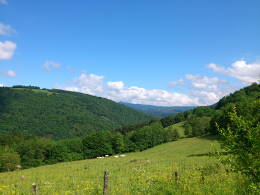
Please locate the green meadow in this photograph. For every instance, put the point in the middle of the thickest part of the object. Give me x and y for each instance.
(152, 171)
(179, 128)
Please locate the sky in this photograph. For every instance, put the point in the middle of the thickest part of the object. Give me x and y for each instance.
(167, 53)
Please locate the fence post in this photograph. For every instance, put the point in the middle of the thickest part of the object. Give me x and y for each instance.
(34, 189)
(105, 187)
(177, 176)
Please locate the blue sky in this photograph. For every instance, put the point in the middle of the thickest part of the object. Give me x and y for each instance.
(176, 52)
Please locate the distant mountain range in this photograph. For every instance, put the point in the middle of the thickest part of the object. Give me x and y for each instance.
(158, 111)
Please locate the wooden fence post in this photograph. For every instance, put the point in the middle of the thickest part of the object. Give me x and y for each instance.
(105, 187)
(34, 189)
(177, 176)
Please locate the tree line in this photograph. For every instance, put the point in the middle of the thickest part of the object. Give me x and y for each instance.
(33, 151)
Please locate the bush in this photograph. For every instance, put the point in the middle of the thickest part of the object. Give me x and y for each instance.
(9, 161)
(241, 140)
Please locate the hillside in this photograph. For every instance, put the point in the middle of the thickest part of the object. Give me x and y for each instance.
(202, 120)
(60, 114)
(148, 172)
(159, 111)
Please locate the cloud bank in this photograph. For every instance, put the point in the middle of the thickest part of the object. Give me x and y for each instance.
(116, 90)
(203, 90)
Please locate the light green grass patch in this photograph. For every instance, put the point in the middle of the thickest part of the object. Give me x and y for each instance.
(179, 127)
(36, 90)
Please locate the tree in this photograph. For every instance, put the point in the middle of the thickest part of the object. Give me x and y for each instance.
(97, 144)
(187, 129)
(118, 142)
(241, 140)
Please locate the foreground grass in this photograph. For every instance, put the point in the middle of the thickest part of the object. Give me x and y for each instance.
(148, 172)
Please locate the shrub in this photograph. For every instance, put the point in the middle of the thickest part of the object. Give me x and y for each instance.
(9, 161)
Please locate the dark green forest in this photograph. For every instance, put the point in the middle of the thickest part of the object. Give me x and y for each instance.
(59, 114)
(31, 150)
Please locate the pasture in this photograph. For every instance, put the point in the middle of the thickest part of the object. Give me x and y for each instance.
(148, 172)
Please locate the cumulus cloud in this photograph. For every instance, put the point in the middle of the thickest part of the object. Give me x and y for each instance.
(7, 49)
(241, 70)
(3, 1)
(117, 91)
(6, 29)
(50, 65)
(203, 90)
(204, 82)
(116, 85)
(1, 85)
(207, 90)
(9, 73)
(208, 97)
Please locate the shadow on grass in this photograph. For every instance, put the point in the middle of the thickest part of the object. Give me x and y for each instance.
(207, 154)
(203, 154)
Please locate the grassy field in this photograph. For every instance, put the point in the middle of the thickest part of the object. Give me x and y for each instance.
(179, 127)
(148, 172)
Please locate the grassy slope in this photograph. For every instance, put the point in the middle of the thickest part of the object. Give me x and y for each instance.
(179, 127)
(147, 172)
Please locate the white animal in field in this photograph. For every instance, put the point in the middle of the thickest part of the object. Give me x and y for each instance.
(122, 155)
(116, 156)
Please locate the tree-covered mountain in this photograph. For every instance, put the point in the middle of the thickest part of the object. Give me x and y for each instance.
(60, 114)
(159, 111)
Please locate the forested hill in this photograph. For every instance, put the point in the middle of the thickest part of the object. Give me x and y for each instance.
(202, 120)
(158, 111)
(60, 114)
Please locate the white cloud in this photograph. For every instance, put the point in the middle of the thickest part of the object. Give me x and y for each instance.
(6, 29)
(206, 90)
(3, 1)
(204, 82)
(208, 97)
(7, 50)
(241, 70)
(49, 65)
(116, 85)
(10, 73)
(1, 85)
(117, 91)
(90, 83)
